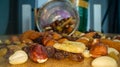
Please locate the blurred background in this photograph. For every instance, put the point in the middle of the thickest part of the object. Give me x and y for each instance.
(17, 16)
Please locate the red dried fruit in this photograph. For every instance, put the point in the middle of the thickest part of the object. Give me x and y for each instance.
(37, 53)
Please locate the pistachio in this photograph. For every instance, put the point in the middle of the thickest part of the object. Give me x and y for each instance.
(18, 57)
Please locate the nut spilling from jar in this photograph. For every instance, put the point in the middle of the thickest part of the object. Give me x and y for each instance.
(63, 26)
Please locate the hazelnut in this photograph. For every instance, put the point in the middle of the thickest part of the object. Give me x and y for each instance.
(37, 53)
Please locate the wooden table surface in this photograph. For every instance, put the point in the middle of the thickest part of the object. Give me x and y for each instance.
(49, 63)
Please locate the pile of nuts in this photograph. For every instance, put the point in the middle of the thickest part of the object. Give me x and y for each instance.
(63, 26)
(39, 46)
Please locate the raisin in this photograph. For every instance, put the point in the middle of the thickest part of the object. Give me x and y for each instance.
(97, 36)
(50, 51)
(76, 57)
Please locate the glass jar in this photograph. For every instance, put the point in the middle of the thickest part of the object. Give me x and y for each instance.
(82, 8)
(57, 10)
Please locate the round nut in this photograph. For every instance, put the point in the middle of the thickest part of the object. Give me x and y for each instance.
(113, 50)
(18, 57)
(104, 61)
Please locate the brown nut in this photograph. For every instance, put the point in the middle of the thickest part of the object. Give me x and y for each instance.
(37, 53)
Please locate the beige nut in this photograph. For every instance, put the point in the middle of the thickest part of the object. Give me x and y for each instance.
(104, 61)
(18, 57)
(86, 54)
(113, 50)
(70, 46)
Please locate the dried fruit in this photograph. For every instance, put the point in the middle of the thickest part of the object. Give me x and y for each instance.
(111, 43)
(76, 57)
(90, 34)
(63, 26)
(56, 35)
(98, 50)
(30, 34)
(59, 55)
(84, 40)
(50, 43)
(18, 57)
(62, 40)
(50, 51)
(37, 53)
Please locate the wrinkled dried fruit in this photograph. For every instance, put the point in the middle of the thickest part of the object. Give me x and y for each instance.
(18, 57)
(59, 55)
(99, 50)
(76, 57)
(50, 51)
(37, 53)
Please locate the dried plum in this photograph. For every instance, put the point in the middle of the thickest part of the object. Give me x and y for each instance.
(59, 55)
(50, 51)
(76, 57)
(38, 40)
(26, 49)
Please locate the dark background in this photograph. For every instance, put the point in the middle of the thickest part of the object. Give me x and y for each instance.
(114, 16)
(11, 15)
(110, 15)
